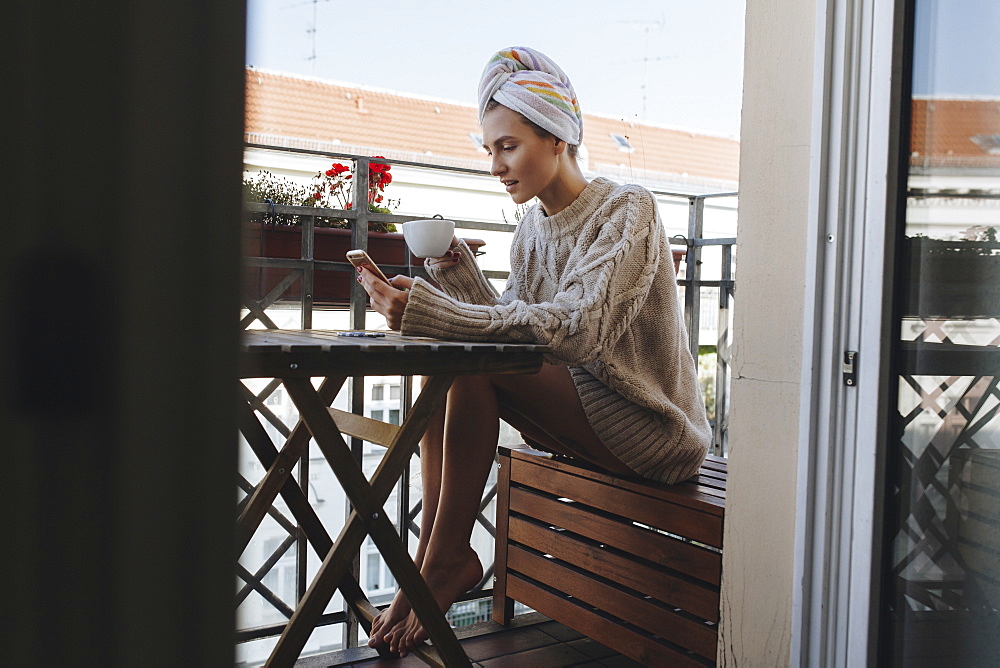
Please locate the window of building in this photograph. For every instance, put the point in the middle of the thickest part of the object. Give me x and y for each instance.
(622, 142)
(377, 576)
(373, 579)
(989, 143)
(378, 392)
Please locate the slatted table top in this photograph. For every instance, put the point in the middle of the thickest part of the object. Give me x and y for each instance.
(271, 353)
(705, 491)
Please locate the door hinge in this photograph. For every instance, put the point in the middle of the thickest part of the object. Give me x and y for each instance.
(850, 367)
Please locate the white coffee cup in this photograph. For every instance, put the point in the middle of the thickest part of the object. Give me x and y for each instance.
(430, 237)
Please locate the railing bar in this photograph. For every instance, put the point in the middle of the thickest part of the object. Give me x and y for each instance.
(258, 632)
(689, 196)
(258, 405)
(685, 282)
(301, 542)
(722, 241)
(255, 312)
(275, 514)
(259, 574)
(266, 593)
(692, 291)
(350, 156)
(403, 485)
(351, 215)
(358, 314)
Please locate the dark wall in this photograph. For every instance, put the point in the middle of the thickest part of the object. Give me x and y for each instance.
(121, 135)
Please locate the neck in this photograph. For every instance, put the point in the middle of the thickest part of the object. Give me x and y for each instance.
(564, 189)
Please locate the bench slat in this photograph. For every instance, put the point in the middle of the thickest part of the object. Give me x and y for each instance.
(690, 559)
(697, 525)
(685, 493)
(665, 623)
(634, 644)
(689, 596)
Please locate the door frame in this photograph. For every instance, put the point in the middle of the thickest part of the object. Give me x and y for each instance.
(860, 78)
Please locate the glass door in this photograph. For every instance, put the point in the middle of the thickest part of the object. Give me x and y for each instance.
(941, 567)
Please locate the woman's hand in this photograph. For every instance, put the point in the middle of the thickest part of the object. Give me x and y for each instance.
(449, 259)
(389, 300)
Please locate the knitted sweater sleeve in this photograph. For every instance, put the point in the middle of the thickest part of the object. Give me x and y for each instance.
(464, 281)
(603, 285)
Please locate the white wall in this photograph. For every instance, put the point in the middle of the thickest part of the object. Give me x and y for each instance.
(757, 585)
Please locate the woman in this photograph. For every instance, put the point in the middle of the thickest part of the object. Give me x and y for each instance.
(592, 277)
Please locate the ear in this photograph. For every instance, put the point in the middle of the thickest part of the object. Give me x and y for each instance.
(560, 146)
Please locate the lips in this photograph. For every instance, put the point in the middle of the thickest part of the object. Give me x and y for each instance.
(509, 184)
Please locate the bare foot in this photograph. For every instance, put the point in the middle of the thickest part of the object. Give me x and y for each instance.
(388, 618)
(447, 581)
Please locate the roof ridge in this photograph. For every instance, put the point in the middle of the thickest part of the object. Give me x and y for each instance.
(467, 105)
(955, 97)
(363, 87)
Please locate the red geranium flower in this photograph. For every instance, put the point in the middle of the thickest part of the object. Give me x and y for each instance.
(318, 195)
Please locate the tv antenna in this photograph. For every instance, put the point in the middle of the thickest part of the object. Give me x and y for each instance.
(312, 29)
(647, 27)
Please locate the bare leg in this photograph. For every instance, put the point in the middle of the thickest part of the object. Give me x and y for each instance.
(548, 404)
(431, 456)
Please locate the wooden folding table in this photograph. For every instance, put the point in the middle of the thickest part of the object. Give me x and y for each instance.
(296, 356)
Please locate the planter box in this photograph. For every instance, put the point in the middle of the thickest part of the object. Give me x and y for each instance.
(950, 279)
(331, 288)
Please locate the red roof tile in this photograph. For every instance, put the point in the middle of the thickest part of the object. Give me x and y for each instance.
(301, 108)
(955, 132)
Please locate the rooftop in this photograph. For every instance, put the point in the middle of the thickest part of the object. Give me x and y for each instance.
(955, 132)
(357, 118)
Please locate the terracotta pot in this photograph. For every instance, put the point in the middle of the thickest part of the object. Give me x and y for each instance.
(330, 287)
(679, 256)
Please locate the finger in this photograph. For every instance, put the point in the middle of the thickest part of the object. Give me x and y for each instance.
(401, 282)
(449, 259)
(378, 286)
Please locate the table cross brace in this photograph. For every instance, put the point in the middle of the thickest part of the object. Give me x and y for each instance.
(367, 517)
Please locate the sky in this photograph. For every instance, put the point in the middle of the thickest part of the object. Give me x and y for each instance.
(956, 49)
(675, 63)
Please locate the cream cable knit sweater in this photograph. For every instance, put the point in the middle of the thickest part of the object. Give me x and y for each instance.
(596, 283)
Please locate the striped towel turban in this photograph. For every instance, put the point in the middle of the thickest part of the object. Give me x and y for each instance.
(530, 83)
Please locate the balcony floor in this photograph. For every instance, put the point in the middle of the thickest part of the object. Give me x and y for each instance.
(531, 640)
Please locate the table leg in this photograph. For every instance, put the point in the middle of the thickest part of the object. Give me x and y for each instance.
(298, 504)
(367, 500)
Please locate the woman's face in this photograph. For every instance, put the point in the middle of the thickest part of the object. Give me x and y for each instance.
(526, 163)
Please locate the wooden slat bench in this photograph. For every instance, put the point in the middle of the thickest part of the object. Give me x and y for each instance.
(632, 564)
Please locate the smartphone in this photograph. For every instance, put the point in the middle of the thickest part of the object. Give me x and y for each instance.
(359, 258)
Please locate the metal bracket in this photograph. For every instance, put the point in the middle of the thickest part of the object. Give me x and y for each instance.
(850, 367)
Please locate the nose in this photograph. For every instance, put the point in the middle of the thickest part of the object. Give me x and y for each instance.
(496, 164)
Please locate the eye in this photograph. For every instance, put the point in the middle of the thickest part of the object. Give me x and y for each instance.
(509, 148)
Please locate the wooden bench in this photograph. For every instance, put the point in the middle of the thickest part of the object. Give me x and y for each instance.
(632, 564)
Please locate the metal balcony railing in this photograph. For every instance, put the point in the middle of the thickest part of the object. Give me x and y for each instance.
(304, 270)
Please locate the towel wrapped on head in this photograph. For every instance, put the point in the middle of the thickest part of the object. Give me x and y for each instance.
(530, 83)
